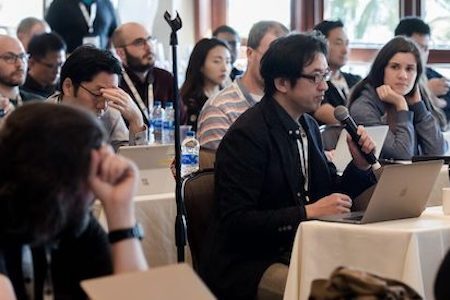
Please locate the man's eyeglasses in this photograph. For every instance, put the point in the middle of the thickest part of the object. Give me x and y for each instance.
(49, 65)
(140, 42)
(11, 58)
(96, 95)
(318, 78)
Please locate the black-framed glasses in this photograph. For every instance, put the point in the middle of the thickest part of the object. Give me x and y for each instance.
(50, 65)
(318, 78)
(96, 95)
(139, 42)
(11, 58)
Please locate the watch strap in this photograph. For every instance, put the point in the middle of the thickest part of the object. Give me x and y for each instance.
(136, 232)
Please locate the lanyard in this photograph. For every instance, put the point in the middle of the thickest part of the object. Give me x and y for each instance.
(89, 18)
(302, 145)
(145, 109)
(28, 274)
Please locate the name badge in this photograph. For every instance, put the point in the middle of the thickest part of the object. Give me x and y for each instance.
(92, 40)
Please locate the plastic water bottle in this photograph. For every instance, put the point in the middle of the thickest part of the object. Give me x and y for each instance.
(157, 121)
(189, 154)
(168, 131)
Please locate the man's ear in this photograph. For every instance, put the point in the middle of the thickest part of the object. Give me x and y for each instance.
(120, 53)
(68, 88)
(31, 62)
(282, 84)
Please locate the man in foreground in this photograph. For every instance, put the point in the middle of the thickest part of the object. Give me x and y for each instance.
(272, 174)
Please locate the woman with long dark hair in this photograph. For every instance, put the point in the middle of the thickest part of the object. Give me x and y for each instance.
(390, 95)
(208, 69)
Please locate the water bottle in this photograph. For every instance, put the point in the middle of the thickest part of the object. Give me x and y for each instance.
(189, 154)
(157, 121)
(168, 131)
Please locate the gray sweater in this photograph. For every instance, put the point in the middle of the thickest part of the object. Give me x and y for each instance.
(416, 131)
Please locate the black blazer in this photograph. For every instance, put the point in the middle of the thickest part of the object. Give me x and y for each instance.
(332, 95)
(259, 200)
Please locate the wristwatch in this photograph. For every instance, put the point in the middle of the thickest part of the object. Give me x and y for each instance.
(136, 232)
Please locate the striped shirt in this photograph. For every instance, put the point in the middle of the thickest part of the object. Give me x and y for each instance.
(220, 111)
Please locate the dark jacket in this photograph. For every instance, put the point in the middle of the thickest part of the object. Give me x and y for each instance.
(65, 18)
(332, 95)
(260, 201)
(162, 81)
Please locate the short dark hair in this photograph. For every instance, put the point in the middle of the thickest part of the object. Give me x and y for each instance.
(224, 29)
(259, 30)
(375, 78)
(86, 62)
(410, 25)
(44, 43)
(326, 26)
(45, 150)
(288, 56)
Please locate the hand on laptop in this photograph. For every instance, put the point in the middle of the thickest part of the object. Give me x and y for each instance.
(333, 204)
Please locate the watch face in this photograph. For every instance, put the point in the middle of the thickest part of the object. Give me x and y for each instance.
(138, 231)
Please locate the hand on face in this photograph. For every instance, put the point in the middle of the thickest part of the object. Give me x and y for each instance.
(113, 180)
(120, 100)
(333, 204)
(438, 86)
(388, 95)
(367, 146)
(6, 105)
(414, 97)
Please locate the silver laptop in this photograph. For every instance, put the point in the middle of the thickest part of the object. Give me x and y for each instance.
(342, 156)
(401, 192)
(163, 283)
(153, 162)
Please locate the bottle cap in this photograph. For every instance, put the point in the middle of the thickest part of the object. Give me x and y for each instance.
(169, 104)
(190, 133)
(157, 103)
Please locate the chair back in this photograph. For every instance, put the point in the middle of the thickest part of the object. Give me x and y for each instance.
(198, 196)
(207, 158)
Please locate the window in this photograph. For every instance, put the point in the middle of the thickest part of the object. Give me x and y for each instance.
(437, 15)
(11, 12)
(243, 14)
(367, 22)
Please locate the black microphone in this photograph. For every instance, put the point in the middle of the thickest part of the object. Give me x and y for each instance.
(342, 115)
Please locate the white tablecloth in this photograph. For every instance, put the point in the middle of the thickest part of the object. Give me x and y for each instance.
(157, 215)
(409, 250)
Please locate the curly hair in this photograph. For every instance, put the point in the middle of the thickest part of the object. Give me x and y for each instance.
(45, 151)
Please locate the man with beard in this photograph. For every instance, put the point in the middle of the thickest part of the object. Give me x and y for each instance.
(13, 66)
(47, 55)
(141, 79)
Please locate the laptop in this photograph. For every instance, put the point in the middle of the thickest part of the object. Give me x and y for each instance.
(153, 162)
(342, 156)
(163, 283)
(401, 192)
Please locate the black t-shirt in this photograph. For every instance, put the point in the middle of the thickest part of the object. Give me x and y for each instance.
(74, 259)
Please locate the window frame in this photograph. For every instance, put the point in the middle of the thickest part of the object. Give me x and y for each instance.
(304, 15)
